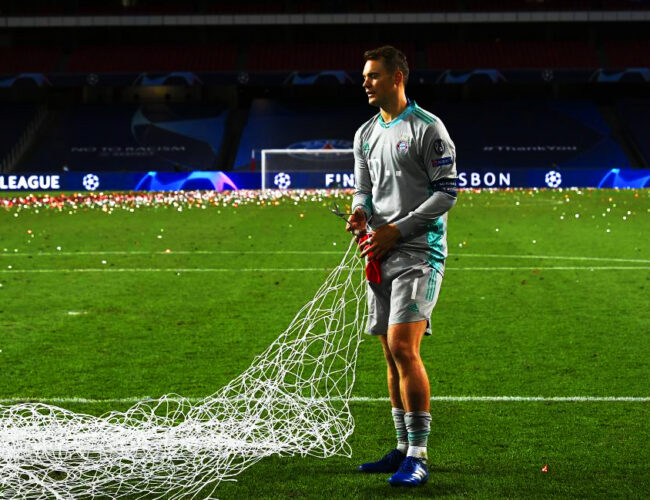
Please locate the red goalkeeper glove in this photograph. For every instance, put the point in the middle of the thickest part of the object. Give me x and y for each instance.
(373, 267)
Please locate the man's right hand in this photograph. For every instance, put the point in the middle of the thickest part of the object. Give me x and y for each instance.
(356, 222)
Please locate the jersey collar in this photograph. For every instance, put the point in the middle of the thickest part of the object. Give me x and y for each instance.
(410, 106)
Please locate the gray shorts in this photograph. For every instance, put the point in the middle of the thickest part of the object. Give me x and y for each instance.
(407, 293)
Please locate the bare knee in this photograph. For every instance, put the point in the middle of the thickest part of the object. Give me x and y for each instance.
(403, 342)
(403, 353)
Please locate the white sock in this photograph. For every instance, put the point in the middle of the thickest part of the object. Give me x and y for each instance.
(417, 452)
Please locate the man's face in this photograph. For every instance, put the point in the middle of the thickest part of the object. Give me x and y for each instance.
(380, 85)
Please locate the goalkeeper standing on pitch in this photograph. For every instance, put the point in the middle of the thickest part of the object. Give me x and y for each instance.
(405, 171)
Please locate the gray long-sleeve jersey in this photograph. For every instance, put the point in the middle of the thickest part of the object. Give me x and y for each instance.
(396, 166)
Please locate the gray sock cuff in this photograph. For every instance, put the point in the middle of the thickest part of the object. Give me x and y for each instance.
(417, 421)
(416, 414)
(400, 425)
(418, 425)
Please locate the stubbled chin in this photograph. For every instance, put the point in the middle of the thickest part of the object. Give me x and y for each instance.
(373, 101)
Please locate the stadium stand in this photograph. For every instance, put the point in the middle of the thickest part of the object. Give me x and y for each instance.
(547, 133)
(275, 124)
(257, 7)
(14, 118)
(553, 5)
(313, 56)
(165, 137)
(29, 59)
(171, 8)
(628, 53)
(636, 117)
(159, 137)
(529, 133)
(322, 56)
(153, 58)
(274, 79)
(510, 55)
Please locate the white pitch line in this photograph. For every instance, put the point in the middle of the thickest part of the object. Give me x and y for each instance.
(362, 399)
(312, 269)
(549, 257)
(549, 268)
(158, 270)
(173, 252)
(307, 252)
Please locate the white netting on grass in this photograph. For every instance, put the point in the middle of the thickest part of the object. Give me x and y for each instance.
(292, 400)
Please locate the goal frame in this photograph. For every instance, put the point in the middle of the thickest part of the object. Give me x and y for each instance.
(264, 152)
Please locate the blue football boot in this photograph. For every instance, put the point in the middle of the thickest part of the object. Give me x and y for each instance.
(412, 472)
(389, 463)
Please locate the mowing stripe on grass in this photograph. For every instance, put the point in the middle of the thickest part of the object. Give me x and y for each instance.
(307, 252)
(312, 269)
(361, 399)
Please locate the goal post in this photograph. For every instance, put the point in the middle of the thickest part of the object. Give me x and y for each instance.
(300, 161)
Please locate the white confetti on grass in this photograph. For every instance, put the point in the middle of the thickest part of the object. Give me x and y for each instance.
(292, 400)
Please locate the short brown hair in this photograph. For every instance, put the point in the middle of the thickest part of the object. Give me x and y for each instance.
(393, 58)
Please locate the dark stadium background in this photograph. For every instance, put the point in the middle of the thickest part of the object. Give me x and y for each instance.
(137, 85)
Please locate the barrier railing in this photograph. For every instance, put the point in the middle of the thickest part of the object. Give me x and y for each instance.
(18, 150)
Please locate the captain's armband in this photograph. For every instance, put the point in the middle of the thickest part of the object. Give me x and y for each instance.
(449, 186)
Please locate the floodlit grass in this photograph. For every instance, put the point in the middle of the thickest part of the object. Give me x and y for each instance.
(546, 294)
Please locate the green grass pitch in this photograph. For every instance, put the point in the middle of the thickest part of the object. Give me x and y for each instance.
(546, 293)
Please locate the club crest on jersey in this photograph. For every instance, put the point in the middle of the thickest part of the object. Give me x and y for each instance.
(403, 145)
(439, 146)
(366, 148)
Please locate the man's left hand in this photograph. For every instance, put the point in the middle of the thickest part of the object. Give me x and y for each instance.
(381, 241)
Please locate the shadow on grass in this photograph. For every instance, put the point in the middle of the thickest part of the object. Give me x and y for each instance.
(381, 489)
(333, 478)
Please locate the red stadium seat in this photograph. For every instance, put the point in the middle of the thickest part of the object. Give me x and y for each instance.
(628, 54)
(29, 59)
(153, 58)
(512, 55)
(313, 56)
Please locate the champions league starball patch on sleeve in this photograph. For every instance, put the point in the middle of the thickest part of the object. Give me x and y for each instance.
(439, 146)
